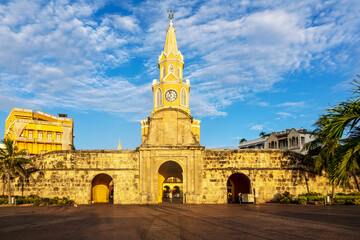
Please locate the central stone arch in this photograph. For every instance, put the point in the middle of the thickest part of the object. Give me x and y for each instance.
(170, 170)
(102, 189)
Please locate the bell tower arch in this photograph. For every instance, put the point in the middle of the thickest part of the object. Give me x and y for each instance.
(170, 150)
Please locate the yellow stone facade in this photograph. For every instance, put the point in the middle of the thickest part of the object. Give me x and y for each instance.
(170, 148)
(38, 132)
(171, 92)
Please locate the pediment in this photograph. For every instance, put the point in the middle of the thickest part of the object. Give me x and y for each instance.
(171, 55)
(171, 77)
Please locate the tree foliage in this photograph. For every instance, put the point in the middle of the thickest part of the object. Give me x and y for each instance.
(336, 149)
(12, 163)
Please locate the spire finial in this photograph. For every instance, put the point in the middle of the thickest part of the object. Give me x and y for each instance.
(171, 13)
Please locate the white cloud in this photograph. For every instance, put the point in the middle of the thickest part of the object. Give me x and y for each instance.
(259, 103)
(58, 59)
(232, 146)
(238, 138)
(342, 86)
(292, 104)
(284, 114)
(257, 127)
(66, 53)
(129, 23)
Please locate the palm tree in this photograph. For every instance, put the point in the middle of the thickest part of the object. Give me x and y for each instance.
(344, 127)
(320, 152)
(262, 134)
(336, 148)
(12, 163)
(243, 140)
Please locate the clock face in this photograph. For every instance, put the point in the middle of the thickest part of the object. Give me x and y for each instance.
(171, 95)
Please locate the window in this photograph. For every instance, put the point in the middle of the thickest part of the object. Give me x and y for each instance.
(58, 136)
(179, 71)
(40, 135)
(171, 68)
(158, 98)
(183, 97)
(30, 134)
(163, 72)
(49, 136)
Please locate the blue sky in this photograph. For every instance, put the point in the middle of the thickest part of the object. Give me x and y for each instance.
(253, 65)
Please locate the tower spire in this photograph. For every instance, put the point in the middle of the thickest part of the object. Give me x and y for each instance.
(171, 14)
(170, 42)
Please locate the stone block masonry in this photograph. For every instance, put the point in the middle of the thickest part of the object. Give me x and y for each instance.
(271, 172)
(205, 174)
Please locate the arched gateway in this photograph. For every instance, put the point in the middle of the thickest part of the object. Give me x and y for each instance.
(237, 183)
(170, 181)
(102, 189)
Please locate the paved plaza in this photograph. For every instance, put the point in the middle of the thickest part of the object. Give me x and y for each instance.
(175, 221)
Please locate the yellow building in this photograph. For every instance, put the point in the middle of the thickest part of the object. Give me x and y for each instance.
(39, 132)
(171, 92)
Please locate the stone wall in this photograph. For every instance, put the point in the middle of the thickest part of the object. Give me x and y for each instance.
(271, 172)
(70, 174)
(170, 127)
(135, 174)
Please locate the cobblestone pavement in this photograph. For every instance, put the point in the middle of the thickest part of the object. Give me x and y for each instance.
(174, 221)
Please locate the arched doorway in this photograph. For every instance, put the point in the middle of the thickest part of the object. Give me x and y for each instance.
(175, 186)
(170, 180)
(237, 183)
(102, 189)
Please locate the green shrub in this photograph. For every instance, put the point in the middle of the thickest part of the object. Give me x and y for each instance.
(285, 197)
(354, 194)
(347, 197)
(54, 200)
(357, 201)
(316, 198)
(37, 201)
(33, 196)
(285, 200)
(349, 202)
(340, 194)
(286, 194)
(312, 194)
(302, 200)
(22, 200)
(65, 201)
(337, 201)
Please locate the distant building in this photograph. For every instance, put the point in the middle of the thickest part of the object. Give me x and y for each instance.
(290, 139)
(39, 132)
(258, 143)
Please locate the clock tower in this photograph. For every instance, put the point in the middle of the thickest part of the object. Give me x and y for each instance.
(171, 91)
(170, 122)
